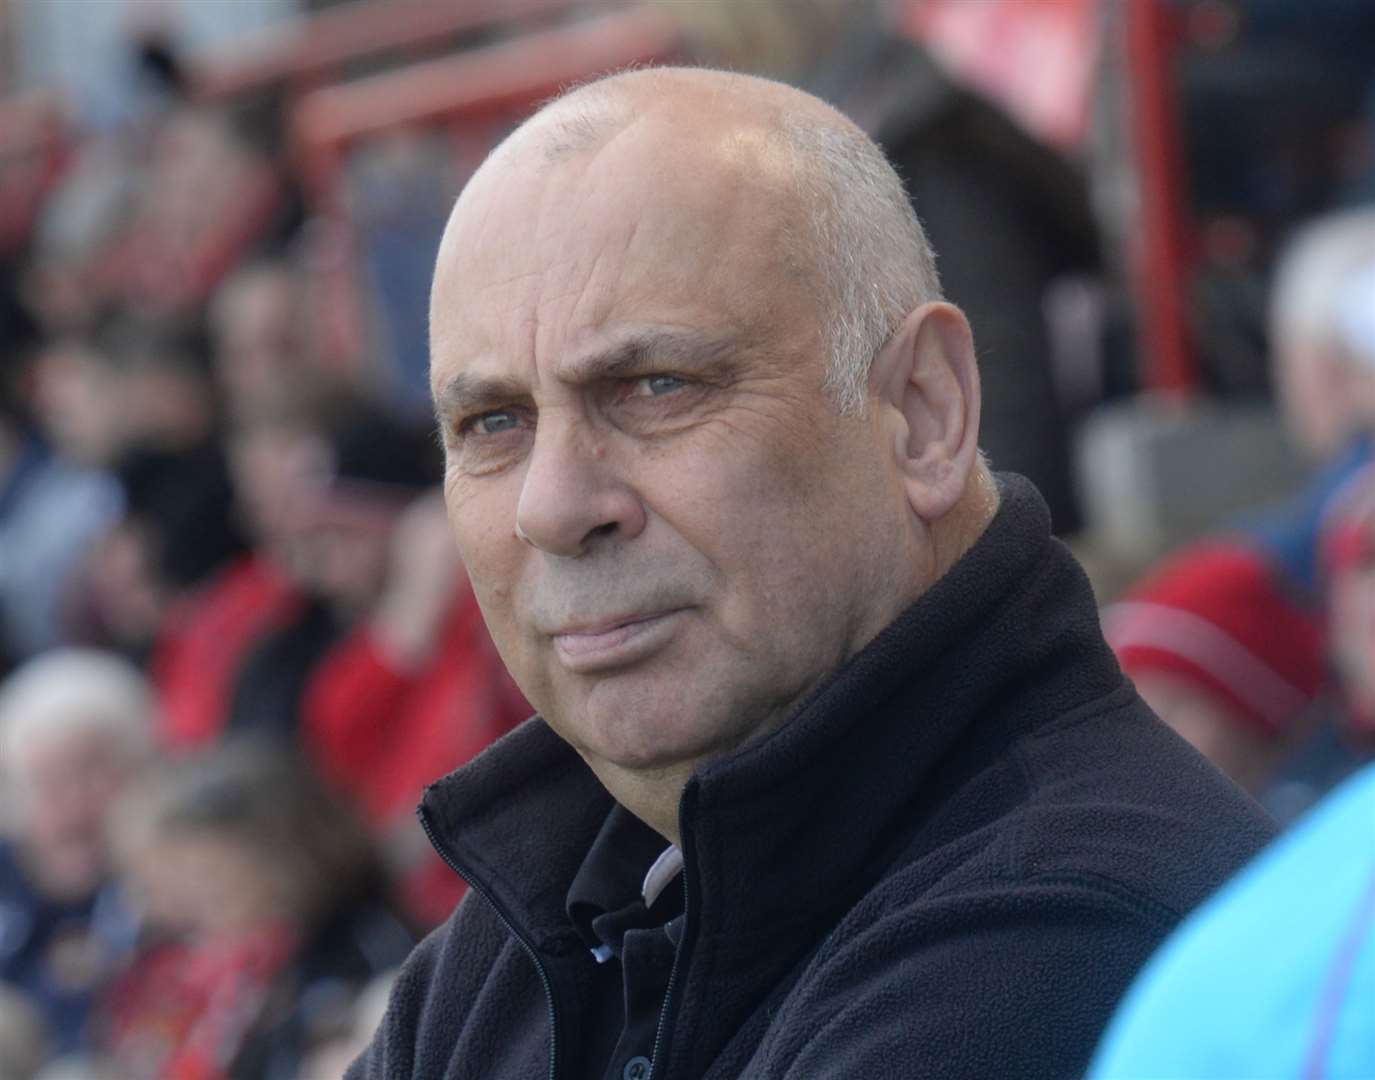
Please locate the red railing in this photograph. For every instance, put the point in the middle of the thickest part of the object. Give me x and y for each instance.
(1161, 258)
(471, 97)
(471, 88)
(312, 51)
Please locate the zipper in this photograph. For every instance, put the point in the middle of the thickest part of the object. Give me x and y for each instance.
(668, 992)
(481, 890)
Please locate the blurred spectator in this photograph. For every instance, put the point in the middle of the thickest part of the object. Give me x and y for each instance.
(1218, 651)
(208, 199)
(50, 511)
(350, 627)
(417, 688)
(207, 633)
(267, 911)
(75, 725)
(1324, 359)
(166, 386)
(260, 346)
(412, 692)
(139, 400)
(1273, 977)
(78, 402)
(339, 527)
(1324, 334)
(150, 223)
(1250, 599)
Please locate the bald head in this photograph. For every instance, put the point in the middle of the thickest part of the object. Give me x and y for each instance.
(847, 231)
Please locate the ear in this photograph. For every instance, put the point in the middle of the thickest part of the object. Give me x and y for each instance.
(926, 380)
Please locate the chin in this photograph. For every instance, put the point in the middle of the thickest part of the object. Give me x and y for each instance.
(654, 745)
(647, 736)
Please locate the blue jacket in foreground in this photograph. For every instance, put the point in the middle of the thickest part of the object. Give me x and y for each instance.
(949, 862)
(1275, 978)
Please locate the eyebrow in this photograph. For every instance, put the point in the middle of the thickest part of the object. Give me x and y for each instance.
(639, 352)
(463, 394)
(654, 349)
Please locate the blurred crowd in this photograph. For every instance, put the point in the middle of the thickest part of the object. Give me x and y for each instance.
(236, 641)
(1257, 642)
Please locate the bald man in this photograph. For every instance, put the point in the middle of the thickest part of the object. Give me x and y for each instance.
(833, 774)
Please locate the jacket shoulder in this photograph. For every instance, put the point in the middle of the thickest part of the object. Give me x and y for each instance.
(1011, 981)
(1001, 941)
(1119, 799)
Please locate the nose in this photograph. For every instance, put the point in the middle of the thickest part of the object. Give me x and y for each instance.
(573, 494)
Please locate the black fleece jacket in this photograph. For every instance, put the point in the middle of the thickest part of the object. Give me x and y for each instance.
(949, 861)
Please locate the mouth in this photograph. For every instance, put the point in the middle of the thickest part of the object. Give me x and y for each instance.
(615, 642)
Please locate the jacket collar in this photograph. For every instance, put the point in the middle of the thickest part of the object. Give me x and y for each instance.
(784, 835)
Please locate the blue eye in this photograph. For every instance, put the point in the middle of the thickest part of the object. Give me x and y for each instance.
(658, 385)
(492, 423)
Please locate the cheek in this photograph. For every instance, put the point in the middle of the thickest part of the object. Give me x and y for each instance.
(482, 518)
(482, 522)
(775, 506)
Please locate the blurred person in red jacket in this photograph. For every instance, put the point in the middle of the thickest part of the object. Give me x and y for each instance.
(412, 692)
(206, 636)
(265, 911)
(337, 525)
(350, 630)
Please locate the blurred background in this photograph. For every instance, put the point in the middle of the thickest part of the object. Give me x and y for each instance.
(234, 639)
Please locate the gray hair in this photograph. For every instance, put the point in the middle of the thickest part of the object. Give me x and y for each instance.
(868, 252)
(1312, 289)
(69, 691)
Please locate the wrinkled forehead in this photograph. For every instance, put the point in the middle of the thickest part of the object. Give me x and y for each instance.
(658, 220)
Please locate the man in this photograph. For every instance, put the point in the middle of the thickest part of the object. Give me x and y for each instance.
(835, 774)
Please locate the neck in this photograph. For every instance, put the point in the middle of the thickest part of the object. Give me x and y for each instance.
(651, 795)
(958, 531)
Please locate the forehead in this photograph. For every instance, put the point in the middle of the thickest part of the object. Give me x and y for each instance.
(656, 225)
